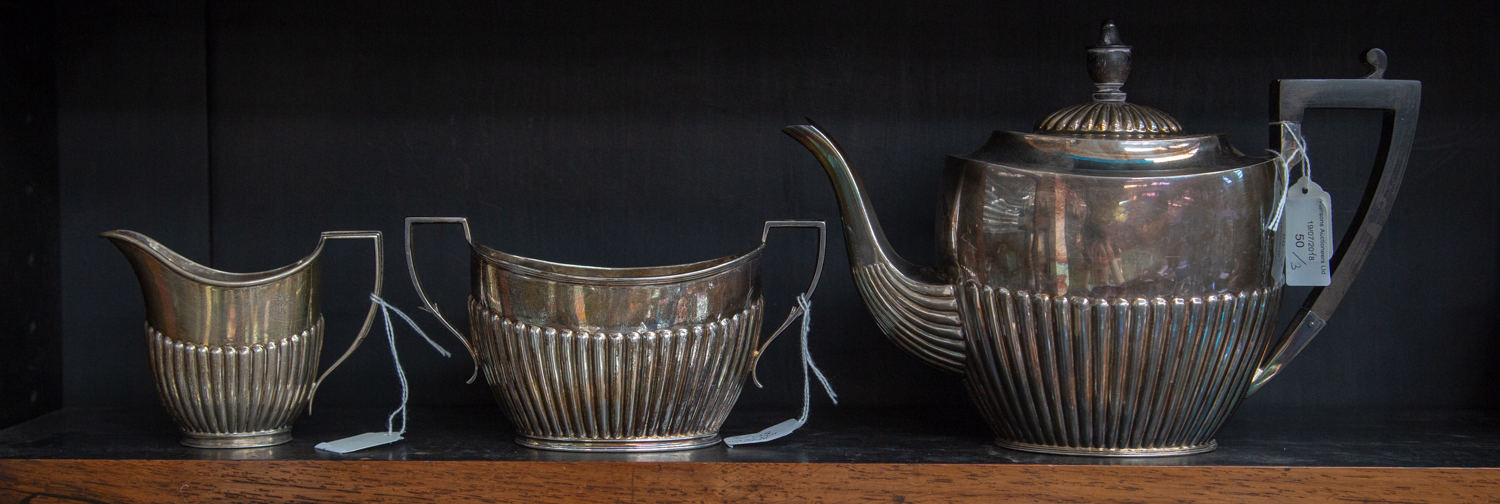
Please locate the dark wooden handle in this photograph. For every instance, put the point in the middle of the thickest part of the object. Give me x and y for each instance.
(1400, 99)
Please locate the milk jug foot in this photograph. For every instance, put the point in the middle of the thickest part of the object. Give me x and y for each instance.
(238, 440)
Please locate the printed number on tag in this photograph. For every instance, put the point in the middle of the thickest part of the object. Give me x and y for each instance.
(1307, 234)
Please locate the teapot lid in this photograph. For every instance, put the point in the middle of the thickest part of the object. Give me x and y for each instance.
(1110, 135)
(1109, 113)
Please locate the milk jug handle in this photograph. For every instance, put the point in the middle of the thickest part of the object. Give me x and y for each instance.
(369, 317)
(817, 274)
(1400, 99)
(417, 283)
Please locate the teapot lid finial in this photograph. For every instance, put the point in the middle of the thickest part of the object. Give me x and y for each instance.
(1109, 113)
(1109, 64)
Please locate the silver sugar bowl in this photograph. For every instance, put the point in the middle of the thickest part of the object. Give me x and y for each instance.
(614, 359)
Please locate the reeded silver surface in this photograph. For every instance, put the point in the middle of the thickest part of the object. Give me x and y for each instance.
(612, 359)
(922, 318)
(667, 389)
(1107, 285)
(235, 355)
(1113, 377)
(1109, 118)
(235, 396)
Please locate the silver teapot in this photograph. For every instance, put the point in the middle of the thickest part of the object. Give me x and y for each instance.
(1109, 285)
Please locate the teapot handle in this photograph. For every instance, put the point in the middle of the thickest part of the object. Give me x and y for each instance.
(374, 307)
(817, 274)
(417, 283)
(1400, 99)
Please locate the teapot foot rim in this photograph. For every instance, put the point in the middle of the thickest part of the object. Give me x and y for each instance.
(1170, 451)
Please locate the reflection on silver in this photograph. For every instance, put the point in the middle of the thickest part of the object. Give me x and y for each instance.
(613, 359)
(1000, 213)
(235, 355)
(280, 452)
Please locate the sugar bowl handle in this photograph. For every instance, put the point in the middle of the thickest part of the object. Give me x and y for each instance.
(1400, 99)
(813, 286)
(417, 283)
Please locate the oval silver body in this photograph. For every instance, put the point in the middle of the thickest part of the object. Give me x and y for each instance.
(615, 359)
(189, 302)
(591, 299)
(1063, 224)
(1111, 310)
(234, 355)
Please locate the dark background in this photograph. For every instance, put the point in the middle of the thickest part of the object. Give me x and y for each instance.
(644, 134)
(30, 303)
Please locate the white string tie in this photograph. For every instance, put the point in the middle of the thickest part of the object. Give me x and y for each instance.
(391, 435)
(390, 333)
(1285, 161)
(809, 369)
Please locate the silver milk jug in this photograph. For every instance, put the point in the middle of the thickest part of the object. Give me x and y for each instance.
(1108, 285)
(235, 354)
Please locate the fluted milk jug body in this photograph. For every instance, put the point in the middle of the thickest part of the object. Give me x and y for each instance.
(234, 355)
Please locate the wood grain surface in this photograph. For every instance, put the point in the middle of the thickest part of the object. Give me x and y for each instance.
(159, 481)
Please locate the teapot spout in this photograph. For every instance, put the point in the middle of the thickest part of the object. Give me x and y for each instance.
(914, 306)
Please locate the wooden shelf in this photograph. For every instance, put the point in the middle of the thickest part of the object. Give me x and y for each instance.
(466, 455)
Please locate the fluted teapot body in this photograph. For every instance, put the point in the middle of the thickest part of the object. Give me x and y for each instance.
(1107, 284)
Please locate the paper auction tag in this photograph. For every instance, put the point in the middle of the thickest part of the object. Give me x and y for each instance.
(771, 433)
(1307, 234)
(360, 442)
(391, 434)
